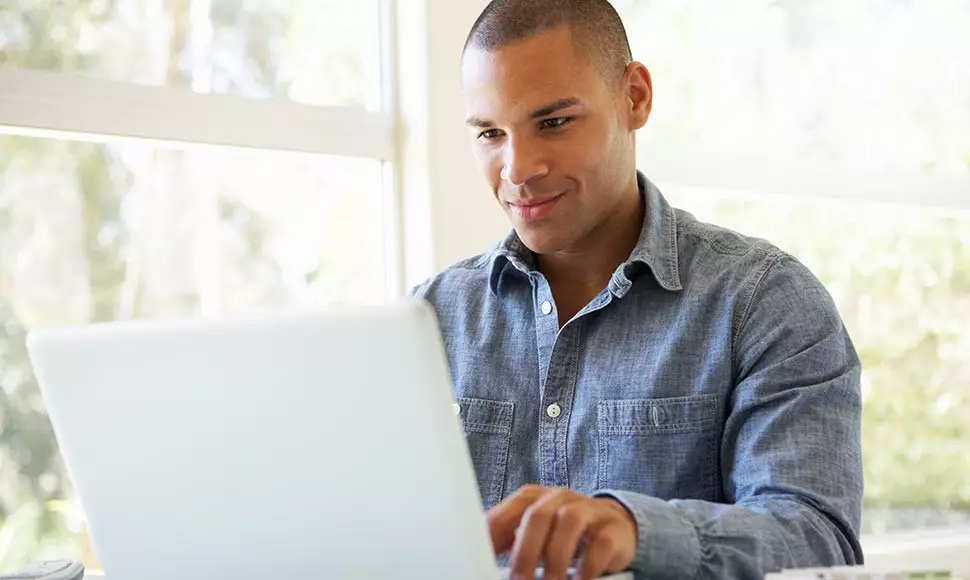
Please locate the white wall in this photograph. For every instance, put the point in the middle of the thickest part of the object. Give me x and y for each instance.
(449, 213)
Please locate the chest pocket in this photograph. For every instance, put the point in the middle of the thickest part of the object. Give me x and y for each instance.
(666, 448)
(488, 429)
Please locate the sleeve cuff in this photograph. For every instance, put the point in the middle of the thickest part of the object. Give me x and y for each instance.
(667, 544)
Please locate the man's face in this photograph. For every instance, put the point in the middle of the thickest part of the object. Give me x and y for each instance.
(554, 139)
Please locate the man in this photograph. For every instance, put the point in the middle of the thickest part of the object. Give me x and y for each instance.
(644, 391)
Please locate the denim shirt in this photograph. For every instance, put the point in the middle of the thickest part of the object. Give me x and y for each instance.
(711, 388)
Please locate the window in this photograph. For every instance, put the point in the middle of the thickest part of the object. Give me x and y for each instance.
(841, 108)
(254, 48)
(870, 84)
(163, 159)
(129, 229)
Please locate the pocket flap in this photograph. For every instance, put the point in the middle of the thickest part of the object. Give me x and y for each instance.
(642, 416)
(483, 416)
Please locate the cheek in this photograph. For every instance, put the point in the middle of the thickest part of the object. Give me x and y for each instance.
(596, 162)
(584, 158)
(490, 164)
(607, 154)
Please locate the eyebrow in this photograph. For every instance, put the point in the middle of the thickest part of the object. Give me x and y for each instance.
(543, 111)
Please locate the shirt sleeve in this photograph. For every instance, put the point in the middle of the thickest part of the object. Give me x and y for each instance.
(791, 458)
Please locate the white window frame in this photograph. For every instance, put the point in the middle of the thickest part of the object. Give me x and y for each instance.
(69, 106)
(806, 180)
(41, 102)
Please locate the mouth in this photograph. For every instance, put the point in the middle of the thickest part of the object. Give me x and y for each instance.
(534, 209)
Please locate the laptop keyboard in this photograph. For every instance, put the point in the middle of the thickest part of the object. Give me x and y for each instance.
(505, 573)
(571, 575)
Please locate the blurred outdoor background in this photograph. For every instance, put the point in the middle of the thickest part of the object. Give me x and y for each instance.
(123, 228)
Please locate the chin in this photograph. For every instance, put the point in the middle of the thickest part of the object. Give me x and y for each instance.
(537, 241)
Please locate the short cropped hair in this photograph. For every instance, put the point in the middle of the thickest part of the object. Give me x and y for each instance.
(596, 29)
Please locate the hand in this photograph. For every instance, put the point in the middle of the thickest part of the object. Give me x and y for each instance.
(545, 524)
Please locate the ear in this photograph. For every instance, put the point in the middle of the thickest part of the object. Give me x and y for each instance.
(638, 89)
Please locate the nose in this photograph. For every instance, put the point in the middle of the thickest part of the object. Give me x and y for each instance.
(523, 161)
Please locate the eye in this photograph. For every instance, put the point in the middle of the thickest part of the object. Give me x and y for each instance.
(555, 122)
(489, 134)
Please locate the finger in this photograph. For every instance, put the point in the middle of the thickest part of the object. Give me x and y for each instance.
(504, 519)
(534, 530)
(603, 554)
(572, 522)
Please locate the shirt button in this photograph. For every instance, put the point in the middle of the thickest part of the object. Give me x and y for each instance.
(554, 410)
(457, 408)
(546, 307)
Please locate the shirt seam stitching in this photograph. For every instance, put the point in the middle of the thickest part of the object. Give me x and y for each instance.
(691, 231)
(748, 297)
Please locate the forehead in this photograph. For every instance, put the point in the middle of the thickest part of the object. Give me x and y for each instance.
(510, 82)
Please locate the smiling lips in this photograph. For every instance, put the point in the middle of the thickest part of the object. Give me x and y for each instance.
(533, 210)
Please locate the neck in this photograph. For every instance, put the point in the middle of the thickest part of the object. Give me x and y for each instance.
(578, 274)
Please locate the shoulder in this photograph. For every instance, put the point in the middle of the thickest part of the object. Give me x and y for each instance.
(707, 251)
(459, 279)
(762, 277)
(705, 241)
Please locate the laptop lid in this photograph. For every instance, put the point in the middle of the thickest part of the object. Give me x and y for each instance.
(302, 445)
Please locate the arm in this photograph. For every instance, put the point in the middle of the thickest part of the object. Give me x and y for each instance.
(790, 452)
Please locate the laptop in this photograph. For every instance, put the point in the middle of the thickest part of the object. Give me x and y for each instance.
(304, 445)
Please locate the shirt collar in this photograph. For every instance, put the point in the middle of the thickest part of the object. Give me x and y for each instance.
(655, 251)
